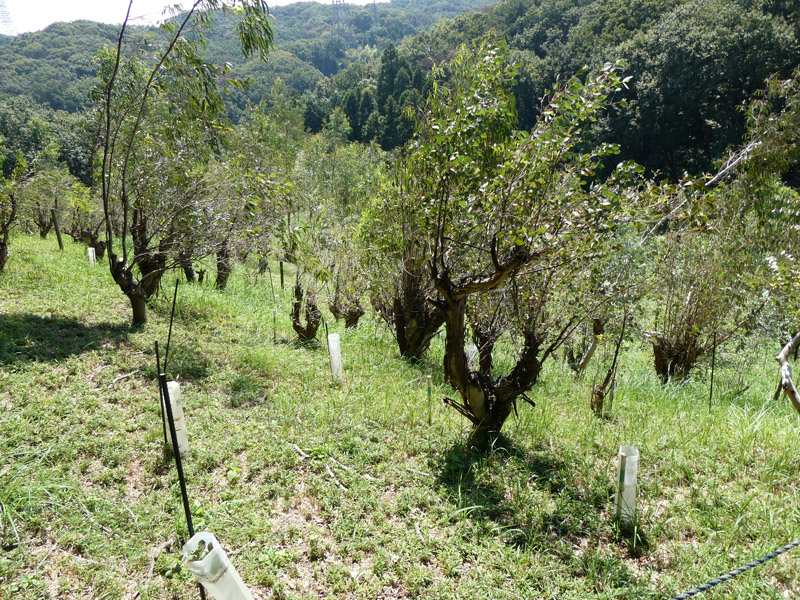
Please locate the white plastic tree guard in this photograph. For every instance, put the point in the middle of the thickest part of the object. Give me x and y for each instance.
(335, 349)
(625, 498)
(174, 389)
(92, 257)
(207, 561)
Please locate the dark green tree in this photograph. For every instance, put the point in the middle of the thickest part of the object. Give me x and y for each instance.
(350, 106)
(366, 107)
(390, 123)
(390, 65)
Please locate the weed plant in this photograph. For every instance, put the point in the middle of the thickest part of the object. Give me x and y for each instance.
(319, 490)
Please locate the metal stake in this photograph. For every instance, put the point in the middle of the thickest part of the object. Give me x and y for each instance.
(161, 398)
(162, 380)
(58, 229)
(171, 319)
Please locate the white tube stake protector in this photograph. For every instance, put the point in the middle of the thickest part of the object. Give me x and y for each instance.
(213, 569)
(92, 257)
(335, 350)
(625, 497)
(174, 389)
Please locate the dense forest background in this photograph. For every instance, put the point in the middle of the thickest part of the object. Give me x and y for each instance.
(693, 64)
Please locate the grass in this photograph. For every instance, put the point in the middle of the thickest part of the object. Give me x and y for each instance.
(344, 491)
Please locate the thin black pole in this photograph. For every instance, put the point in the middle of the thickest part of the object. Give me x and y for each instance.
(614, 364)
(161, 397)
(713, 364)
(162, 380)
(171, 319)
(271, 284)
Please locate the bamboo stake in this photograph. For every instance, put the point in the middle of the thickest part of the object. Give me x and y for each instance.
(713, 363)
(430, 402)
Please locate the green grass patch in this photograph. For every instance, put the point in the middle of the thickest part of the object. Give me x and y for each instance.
(344, 491)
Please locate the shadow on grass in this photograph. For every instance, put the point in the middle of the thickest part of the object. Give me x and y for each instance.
(481, 483)
(31, 338)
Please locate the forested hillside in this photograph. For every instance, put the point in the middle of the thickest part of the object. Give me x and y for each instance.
(55, 66)
(692, 63)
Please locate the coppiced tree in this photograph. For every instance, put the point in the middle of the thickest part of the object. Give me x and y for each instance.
(524, 211)
(395, 263)
(707, 287)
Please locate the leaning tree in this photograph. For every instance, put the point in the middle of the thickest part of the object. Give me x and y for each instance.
(9, 201)
(524, 211)
(162, 109)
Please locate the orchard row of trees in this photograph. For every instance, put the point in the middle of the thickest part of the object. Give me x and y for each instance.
(500, 236)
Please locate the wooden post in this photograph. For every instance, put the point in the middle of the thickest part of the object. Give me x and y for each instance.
(58, 229)
(281, 262)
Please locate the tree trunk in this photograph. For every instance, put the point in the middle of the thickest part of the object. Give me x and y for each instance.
(223, 267)
(347, 308)
(486, 402)
(415, 323)
(674, 360)
(597, 332)
(139, 306)
(91, 240)
(787, 384)
(414, 319)
(263, 264)
(43, 221)
(123, 276)
(484, 341)
(152, 273)
(99, 249)
(475, 389)
(351, 314)
(306, 332)
(4, 254)
(185, 262)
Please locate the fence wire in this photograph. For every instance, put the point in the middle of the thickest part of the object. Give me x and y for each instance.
(737, 572)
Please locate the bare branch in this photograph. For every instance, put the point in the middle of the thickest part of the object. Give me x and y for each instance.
(786, 371)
